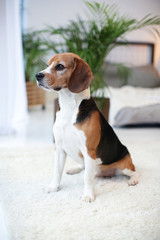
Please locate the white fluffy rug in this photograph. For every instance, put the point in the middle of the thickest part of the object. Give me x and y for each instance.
(119, 212)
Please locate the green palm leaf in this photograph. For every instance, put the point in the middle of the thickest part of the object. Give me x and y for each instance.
(95, 38)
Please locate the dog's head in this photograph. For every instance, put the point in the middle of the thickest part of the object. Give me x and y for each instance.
(65, 70)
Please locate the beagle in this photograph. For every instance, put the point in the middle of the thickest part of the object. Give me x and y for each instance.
(80, 130)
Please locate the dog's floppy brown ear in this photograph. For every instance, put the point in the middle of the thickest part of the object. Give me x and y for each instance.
(81, 76)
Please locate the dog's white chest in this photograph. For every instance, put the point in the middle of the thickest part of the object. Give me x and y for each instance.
(68, 136)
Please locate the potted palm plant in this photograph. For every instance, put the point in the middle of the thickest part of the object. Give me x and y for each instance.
(34, 51)
(93, 39)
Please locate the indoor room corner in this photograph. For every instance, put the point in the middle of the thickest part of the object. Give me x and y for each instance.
(120, 41)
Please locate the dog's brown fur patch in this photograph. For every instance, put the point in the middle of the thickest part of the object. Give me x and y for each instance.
(110, 170)
(92, 129)
(80, 155)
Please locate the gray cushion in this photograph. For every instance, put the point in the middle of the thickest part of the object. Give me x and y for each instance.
(143, 76)
(138, 115)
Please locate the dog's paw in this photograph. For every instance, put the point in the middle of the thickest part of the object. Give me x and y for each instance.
(88, 198)
(73, 171)
(134, 180)
(52, 188)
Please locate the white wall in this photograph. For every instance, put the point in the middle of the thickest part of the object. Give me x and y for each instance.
(56, 13)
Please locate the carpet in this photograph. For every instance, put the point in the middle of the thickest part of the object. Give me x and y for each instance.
(119, 212)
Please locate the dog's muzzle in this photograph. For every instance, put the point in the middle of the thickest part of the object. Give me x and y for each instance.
(40, 81)
(39, 76)
(57, 88)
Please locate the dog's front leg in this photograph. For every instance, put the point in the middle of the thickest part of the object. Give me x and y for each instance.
(60, 158)
(88, 194)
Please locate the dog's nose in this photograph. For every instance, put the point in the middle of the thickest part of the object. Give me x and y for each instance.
(39, 76)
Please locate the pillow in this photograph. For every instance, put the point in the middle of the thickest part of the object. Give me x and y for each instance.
(143, 76)
(138, 116)
(130, 105)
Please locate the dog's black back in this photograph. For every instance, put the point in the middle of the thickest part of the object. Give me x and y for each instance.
(109, 149)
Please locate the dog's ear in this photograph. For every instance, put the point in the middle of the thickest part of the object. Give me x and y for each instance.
(81, 76)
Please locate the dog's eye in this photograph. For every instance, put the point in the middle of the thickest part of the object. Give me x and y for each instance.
(60, 67)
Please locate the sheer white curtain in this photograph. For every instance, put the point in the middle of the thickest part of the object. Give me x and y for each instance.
(13, 100)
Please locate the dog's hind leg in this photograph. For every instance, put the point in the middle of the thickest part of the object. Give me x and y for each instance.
(123, 166)
(134, 176)
(73, 171)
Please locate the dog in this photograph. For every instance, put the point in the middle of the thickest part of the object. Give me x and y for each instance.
(80, 130)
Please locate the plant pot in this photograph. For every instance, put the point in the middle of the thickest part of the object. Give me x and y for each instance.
(35, 95)
(103, 105)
